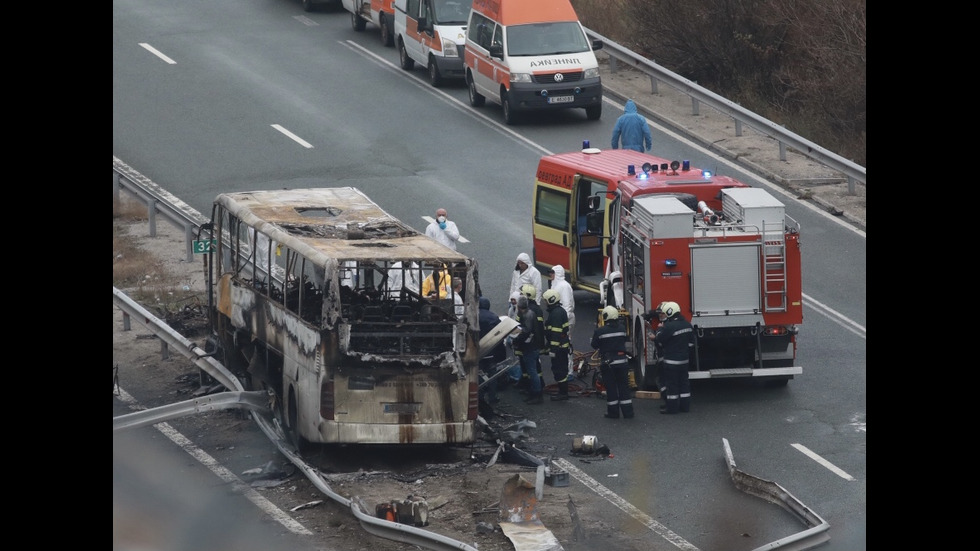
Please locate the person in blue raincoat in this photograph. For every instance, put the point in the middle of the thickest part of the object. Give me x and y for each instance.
(632, 129)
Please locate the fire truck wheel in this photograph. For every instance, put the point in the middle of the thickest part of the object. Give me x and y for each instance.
(776, 382)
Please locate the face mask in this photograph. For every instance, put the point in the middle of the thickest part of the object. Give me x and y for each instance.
(442, 219)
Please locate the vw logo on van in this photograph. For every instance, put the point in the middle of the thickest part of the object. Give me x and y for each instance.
(559, 77)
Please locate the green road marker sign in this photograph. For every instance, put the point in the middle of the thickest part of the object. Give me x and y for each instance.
(205, 246)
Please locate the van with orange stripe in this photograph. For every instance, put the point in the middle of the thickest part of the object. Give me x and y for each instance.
(531, 55)
(379, 12)
(432, 33)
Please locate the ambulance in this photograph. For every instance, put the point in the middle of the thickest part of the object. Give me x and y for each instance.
(432, 33)
(528, 56)
(378, 12)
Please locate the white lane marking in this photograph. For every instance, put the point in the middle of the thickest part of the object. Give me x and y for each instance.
(306, 21)
(626, 506)
(812, 455)
(157, 53)
(293, 137)
(836, 317)
(223, 473)
(462, 107)
(429, 220)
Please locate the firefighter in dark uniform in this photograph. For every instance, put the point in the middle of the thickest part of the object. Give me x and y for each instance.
(556, 337)
(497, 354)
(610, 341)
(675, 338)
(529, 343)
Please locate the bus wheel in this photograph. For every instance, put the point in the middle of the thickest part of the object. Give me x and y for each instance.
(292, 425)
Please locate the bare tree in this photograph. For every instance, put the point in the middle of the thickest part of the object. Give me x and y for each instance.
(801, 63)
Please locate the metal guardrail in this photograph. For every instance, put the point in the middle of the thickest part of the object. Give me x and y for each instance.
(617, 53)
(256, 402)
(816, 532)
(157, 200)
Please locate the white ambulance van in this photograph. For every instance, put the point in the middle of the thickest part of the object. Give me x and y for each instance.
(432, 33)
(531, 55)
(378, 12)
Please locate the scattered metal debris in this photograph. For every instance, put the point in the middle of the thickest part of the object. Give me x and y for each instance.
(307, 505)
(519, 517)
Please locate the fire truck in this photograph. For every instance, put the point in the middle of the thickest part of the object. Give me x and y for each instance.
(639, 230)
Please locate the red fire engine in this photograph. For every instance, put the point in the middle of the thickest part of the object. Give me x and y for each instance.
(639, 230)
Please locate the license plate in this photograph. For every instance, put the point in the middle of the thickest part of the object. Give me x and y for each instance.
(561, 99)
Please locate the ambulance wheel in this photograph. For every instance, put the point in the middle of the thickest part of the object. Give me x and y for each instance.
(510, 117)
(435, 77)
(476, 99)
(357, 22)
(593, 112)
(387, 38)
(407, 63)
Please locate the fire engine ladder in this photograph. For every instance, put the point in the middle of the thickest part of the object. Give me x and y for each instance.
(774, 264)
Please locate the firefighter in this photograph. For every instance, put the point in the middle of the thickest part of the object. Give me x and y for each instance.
(497, 354)
(532, 295)
(556, 335)
(610, 340)
(676, 338)
(527, 347)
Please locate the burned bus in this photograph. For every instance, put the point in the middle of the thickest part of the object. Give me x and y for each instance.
(316, 296)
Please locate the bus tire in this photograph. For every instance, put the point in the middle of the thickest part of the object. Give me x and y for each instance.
(292, 425)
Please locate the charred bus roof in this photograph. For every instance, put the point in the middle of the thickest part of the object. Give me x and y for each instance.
(333, 223)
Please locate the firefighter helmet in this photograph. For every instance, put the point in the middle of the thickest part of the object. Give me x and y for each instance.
(610, 313)
(668, 308)
(529, 291)
(551, 297)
